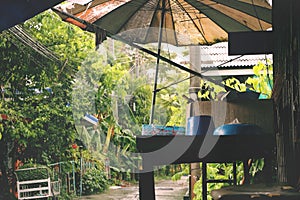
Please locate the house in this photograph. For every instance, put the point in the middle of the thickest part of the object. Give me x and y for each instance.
(215, 61)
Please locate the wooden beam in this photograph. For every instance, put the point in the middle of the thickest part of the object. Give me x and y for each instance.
(247, 43)
(13, 12)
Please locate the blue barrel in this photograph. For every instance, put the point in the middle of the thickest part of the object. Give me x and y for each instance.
(200, 125)
(238, 129)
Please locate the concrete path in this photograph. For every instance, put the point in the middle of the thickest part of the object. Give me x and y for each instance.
(165, 190)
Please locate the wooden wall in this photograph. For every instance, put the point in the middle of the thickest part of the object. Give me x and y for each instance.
(259, 112)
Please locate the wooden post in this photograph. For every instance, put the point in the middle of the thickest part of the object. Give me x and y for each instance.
(286, 93)
(204, 182)
(146, 181)
(195, 60)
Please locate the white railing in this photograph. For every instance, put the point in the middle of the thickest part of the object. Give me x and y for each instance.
(37, 188)
(55, 188)
(34, 189)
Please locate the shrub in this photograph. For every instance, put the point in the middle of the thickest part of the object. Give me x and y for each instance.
(94, 181)
(32, 172)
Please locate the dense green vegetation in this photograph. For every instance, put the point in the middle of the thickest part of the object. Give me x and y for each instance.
(52, 79)
(35, 92)
(38, 94)
(94, 181)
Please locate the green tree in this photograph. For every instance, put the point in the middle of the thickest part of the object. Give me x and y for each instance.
(69, 42)
(36, 90)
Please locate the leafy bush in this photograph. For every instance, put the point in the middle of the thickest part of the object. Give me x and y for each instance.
(261, 82)
(225, 171)
(217, 171)
(94, 181)
(32, 172)
(184, 172)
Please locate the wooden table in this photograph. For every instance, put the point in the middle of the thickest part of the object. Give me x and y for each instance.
(256, 192)
(164, 150)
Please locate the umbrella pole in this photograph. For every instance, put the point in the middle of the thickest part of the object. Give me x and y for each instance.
(157, 62)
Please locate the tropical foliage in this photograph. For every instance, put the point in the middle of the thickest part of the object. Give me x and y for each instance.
(261, 82)
(217, 171)
(52, 77)
(94, 181)
(35, 91)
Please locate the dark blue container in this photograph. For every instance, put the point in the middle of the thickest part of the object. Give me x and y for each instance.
(238, 129)
(200, 125)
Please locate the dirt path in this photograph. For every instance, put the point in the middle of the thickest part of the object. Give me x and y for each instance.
(165, 190)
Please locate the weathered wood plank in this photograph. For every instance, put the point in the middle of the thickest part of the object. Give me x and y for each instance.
(286, 91)
(258, 112)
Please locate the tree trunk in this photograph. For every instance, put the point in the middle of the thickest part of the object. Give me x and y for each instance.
(4, 157)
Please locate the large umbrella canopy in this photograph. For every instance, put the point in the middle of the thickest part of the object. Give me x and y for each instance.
(169, 21)
(204, 21)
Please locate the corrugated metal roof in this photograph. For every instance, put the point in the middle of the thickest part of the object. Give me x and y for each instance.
(217, 56)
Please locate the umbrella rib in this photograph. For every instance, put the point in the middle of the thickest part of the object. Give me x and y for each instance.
(227, 23)
(256, 14)
(195, 73)
(250, 9)
(120, 12)
(121, 27)
(171, 13)
(200, 31)
(153, 17)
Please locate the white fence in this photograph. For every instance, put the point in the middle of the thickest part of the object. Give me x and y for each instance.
(37, 188)
(34, 189)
